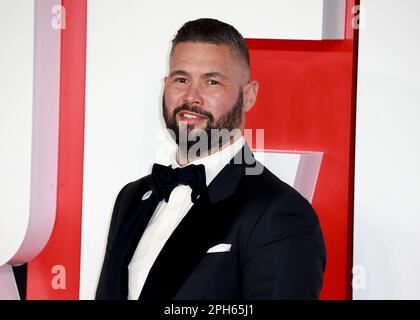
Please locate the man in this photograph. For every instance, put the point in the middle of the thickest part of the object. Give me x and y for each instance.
(215, 224)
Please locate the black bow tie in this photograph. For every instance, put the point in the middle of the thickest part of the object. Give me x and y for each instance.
(165, 179)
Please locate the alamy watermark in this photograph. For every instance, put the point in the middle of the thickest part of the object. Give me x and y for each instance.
(359, 19)
(58, 281)
(198, 143)
(58, 19)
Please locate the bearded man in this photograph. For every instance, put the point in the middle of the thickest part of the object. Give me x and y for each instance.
(215, 224)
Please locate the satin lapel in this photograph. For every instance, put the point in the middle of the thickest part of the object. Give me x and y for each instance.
(138, 214)
(204, 226)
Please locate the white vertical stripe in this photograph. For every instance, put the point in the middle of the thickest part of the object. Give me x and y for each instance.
(46, 108)
(387, 188)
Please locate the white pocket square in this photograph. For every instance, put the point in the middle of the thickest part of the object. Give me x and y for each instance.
(221, 247)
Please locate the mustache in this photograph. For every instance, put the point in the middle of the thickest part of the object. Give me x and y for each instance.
(193, 108)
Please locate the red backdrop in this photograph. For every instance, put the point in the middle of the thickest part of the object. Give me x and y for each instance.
(307, 102)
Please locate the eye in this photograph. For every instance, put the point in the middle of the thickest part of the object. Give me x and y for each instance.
(212, 82)
(180, 80)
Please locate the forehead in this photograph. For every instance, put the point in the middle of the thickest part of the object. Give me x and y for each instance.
(203, 57)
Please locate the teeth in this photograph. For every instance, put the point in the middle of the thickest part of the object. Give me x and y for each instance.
(190, 116)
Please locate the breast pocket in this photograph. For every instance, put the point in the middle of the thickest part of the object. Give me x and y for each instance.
(217, 259)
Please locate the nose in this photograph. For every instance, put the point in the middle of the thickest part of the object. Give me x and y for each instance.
(192, 95)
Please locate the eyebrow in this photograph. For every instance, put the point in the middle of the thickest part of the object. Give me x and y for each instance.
(178, 73)
(213, 74)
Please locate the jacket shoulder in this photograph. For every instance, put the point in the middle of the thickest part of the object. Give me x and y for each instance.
(276, 205)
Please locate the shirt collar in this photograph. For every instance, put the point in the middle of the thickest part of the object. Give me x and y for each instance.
(215, 162)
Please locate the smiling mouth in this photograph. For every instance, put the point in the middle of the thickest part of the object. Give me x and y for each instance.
(190, 116)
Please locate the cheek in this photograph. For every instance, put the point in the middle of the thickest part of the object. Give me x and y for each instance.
(172, 99)
(219, 104)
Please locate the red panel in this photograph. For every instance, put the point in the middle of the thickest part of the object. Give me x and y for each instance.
(63, 248)
(306, 102)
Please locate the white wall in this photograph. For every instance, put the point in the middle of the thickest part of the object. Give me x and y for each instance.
(387, 181)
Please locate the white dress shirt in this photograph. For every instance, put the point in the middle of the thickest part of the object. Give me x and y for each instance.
(168, 215)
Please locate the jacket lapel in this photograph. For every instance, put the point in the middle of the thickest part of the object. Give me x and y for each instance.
(138, 213)
(204, 226)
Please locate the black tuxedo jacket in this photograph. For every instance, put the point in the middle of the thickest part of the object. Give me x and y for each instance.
(277, 248)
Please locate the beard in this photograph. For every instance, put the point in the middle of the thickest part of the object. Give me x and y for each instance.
(214, 134)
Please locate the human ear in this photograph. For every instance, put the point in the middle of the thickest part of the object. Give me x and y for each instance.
(250, 92)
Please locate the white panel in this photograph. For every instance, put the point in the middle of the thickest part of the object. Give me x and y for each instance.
(298, 169)
(29, 106)
(284, 165)
(16, 79)
(127, 52)
(307, 174)
(334, 19)
(46, 106)
(387, 188)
